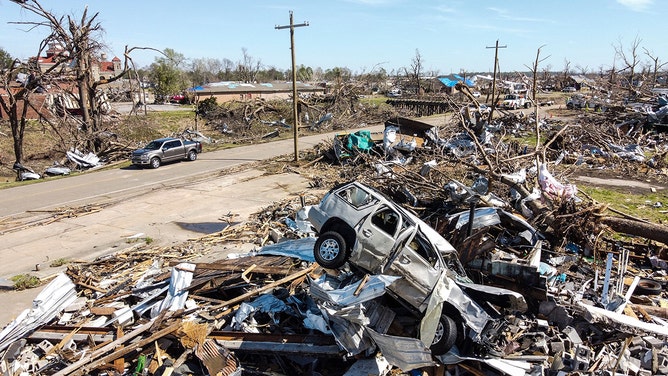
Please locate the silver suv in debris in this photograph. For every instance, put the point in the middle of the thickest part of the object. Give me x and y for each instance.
(358, 225)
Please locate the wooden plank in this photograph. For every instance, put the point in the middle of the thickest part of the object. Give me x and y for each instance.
(267, 287)
(103, 350)
(83, 368)
(119, 364)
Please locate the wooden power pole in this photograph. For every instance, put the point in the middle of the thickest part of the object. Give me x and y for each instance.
(496, 63)
(295, 98)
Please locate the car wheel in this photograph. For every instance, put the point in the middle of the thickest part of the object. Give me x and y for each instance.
(445, 337)
(192, 155)
(155, 162)
(330, 250)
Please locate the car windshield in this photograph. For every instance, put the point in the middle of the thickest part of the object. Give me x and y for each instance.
(153, 145)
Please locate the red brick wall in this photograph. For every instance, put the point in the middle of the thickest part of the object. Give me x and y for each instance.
(37, 101)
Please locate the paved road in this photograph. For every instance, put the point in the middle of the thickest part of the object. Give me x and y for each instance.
(92, 187)
(140, 203)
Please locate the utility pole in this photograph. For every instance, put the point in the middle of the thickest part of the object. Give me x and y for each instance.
(295, 98)
(496, 63)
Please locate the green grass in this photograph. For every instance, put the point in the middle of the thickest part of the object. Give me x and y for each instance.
(374, 99)
(25, 281)
(59, 262)
(637, 205)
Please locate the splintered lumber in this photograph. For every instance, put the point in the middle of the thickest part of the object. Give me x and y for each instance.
(269, 286)
(265, 269)
(88, 362)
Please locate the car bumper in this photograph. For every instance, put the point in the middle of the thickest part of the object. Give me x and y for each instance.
(138, 161)
(317, 217)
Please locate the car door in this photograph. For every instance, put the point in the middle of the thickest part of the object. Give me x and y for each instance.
(172, 150)
(417, 262)
(377, 238)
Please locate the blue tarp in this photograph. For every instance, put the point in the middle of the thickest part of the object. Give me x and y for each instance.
(450, 83)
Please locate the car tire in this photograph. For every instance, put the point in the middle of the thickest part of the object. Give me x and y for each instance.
(446, 336)
(155, 162)
(648, 287)
(330, 250)
(192, 155)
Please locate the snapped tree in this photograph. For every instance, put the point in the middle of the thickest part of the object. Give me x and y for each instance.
(79, 44)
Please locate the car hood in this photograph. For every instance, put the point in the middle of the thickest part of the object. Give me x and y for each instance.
(141, 151)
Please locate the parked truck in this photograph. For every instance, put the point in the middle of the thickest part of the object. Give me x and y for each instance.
(167, 149)
(514, 101)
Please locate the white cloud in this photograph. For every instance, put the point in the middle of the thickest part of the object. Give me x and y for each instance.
(636, 5)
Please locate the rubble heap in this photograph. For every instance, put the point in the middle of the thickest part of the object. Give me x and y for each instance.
(593, 280)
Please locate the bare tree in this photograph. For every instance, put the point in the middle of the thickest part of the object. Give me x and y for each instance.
(546, 73)
(566, 72)
(72, 75)
(203, 71)
(583, 70)
(248, 67)
(657, 65)
(416, 69)
(534, 71)
(629, 58)
(228, 68)
(601, 71)
(16, 101)
(81, 43)
(15, 106)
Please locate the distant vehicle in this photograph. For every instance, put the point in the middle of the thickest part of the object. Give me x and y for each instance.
(178, 98)
(358, 225)
(476, 94)
(164, 150)
(579, 101)
(514, 101)
(569, 89)
(472, 109)
(394, 93)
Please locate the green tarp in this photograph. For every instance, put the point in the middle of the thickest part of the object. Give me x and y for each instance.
(360, 140)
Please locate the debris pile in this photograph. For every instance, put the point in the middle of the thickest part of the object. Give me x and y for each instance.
(530, 274)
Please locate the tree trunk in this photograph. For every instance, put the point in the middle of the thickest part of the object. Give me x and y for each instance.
(17, 136)
(646, 230)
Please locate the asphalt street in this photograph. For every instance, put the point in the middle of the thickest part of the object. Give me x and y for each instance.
(169, 205)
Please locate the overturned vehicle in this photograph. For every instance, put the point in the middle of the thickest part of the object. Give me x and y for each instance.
(360, 228)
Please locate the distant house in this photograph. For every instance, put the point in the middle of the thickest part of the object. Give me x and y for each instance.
(448, 83)
(230, 91)
(579, 82)
(103, 69)
(107, 69)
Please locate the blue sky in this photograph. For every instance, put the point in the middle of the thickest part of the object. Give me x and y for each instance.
(362, 35)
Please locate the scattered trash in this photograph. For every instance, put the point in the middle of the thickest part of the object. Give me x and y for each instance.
(502, 269)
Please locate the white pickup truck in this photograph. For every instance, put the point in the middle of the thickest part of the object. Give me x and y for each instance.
(514, 101)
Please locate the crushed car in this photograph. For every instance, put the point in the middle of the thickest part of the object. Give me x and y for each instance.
(360, 227)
